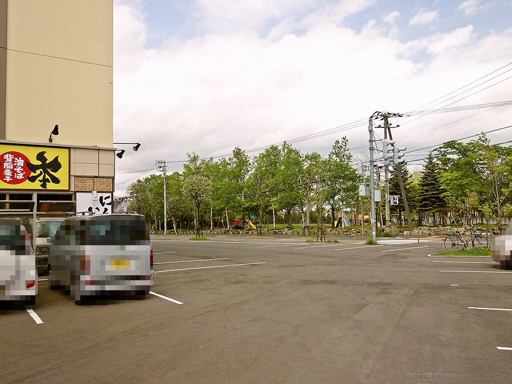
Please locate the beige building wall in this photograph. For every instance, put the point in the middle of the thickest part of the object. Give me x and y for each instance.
(58, 71)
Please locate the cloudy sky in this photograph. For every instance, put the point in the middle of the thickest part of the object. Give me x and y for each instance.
(205, 76)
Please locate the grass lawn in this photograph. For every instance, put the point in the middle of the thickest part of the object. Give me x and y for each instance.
(467, 252)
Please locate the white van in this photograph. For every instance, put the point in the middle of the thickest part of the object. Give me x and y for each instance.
(18, 276)
(100, 254)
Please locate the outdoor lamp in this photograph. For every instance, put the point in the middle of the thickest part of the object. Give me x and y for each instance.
(120, 153)
(55, 132)
(135, 147)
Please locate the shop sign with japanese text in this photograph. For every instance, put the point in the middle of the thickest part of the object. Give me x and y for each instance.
(34, 168)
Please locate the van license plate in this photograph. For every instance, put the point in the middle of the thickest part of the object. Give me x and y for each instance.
(119, 265)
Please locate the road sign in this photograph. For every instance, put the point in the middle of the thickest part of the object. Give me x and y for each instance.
(362, 190)
(394, 199)
(377, 195)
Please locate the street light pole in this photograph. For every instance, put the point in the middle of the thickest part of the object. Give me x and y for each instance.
(162, 166)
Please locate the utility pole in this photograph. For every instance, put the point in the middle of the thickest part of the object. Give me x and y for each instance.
(387, 130)
(402, 187)
(371, 141)
(162, 166)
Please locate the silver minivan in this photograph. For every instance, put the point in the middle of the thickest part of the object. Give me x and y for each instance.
(100, 254)
(18, 276)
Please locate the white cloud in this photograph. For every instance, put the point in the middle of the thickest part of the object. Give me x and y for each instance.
(224, 15)
(455, 39)
(469, 7)
(390, 18)
(472, 7)
(424, 17)
(211, 93)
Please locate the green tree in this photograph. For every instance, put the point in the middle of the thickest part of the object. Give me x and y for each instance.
(176, 205)
(289, 177)
(312, 165)
(341, 179)
(263, 181)
(197, 189)
(394, 189)
(430, 199)
(494, 171)
(238, 171)
(460, 182)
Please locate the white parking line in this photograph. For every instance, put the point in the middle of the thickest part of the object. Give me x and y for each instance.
(160, 253)
(165, 298)
(276, 245)
(492, 309)
(34, 316)
(454, 285)
(401, 249)
(448, 271)
(210, 267)
(464, 262)
(190, 261)
(364, 246)
(319, 246)
(43, 279)
(504, 348)
(457, 257)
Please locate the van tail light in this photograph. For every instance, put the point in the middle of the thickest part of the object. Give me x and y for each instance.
(85, 265)
(30, 284)
(151, 258)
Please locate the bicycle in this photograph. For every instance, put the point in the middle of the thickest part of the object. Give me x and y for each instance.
(478, 240)
(456, 241)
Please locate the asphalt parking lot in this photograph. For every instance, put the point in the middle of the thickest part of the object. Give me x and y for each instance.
(277, 311)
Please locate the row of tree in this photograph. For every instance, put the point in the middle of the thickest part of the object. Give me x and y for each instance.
(278, 180)
(457, 182)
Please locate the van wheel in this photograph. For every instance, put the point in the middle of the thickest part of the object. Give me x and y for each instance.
(506, 264)
(52, 285)
(30, 302)
(142, 294)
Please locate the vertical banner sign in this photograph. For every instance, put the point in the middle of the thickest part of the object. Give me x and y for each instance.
(34, 168)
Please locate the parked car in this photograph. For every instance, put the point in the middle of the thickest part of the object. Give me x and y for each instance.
(46, 229)
(501, 249)
(101, 254)
(18, 276)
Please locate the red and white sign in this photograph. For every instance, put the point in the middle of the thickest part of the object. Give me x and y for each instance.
(13, 167)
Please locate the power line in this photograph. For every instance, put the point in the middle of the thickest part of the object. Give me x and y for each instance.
(468, 84)
(462, 138)
(465, 86)
(460, 108)
(421, 159)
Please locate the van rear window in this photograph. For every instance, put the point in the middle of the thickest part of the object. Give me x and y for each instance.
(11, 238)
(117, 231)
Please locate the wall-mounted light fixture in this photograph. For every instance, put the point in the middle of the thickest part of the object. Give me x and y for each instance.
(55, 131)
(136, 146)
